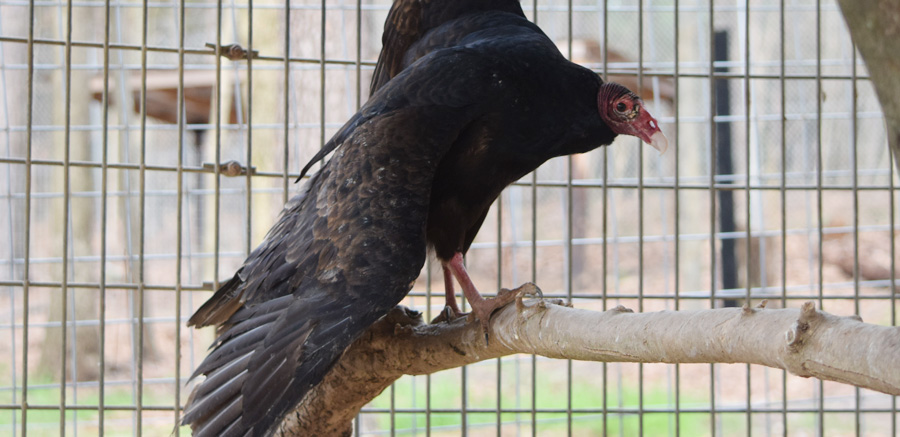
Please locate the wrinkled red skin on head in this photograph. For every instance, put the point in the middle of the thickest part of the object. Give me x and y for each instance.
(624, 112)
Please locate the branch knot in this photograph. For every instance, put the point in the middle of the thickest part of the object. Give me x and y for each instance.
(620, 309)
(795, 335)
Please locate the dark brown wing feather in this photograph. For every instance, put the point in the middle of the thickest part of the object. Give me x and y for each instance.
(343, 253)
(402, 27)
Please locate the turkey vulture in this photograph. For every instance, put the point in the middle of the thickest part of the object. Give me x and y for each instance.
(470, 97)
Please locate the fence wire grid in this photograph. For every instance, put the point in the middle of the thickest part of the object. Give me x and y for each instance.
(139, 168)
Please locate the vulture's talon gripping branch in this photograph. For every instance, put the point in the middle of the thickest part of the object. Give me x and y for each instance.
(529, 289)
(447, 315)
(483, 308)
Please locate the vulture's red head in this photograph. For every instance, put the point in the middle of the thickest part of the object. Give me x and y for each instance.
(624, 113)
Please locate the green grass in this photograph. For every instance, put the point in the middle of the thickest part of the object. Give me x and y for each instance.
(46, 422)
(587, 393)
(446, 394)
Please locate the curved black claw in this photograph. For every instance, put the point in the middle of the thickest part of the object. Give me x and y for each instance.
(447, 315)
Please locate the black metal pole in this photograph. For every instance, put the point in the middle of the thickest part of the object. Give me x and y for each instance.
(725, 167)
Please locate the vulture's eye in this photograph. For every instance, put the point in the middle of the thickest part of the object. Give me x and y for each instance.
(620, 107)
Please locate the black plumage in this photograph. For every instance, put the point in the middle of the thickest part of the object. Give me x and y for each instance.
(409, 20)
(468, 99)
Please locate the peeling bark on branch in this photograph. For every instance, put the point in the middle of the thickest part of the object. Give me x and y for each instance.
(803, 341)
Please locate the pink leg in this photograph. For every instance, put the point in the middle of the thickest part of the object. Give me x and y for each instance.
(449, 292)
(456, 267)
(480, 306)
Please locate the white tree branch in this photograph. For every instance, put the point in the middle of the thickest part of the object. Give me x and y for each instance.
(802, 341)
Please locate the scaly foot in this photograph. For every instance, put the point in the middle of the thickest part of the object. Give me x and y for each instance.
(483, 308)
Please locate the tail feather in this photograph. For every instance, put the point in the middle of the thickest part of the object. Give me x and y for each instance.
(269, 357)
(220, 306)
(222, 376)
(238, 346)
(214, 397)
(231, 415)
(243, 328)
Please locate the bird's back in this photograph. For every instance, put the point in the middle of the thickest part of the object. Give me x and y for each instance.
(409, 20)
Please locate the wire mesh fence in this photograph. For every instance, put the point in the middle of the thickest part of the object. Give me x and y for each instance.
(140, 168)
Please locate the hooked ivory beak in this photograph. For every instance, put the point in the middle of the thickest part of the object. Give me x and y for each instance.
(659, 142)
(647, 129)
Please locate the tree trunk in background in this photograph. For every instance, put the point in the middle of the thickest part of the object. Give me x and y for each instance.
(875, 29)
